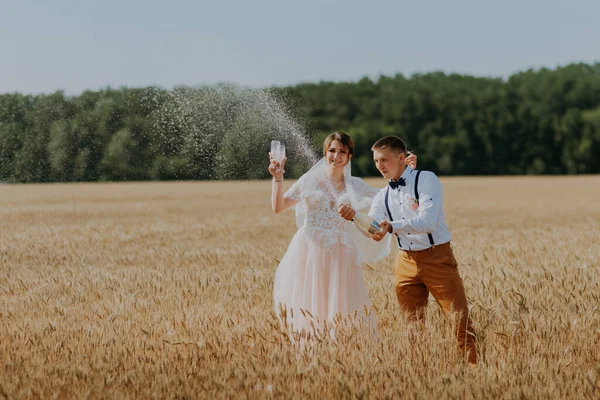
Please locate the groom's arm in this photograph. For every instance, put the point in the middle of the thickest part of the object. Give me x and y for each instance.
(430, 204)
(377, 211)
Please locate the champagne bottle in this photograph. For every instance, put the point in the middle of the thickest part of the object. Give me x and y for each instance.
(366, 223)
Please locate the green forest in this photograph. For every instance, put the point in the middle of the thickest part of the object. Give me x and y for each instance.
(544, 121)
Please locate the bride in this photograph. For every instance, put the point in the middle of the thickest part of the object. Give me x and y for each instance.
(319, 280)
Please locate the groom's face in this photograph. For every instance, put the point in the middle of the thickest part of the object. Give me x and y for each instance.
(390, 162)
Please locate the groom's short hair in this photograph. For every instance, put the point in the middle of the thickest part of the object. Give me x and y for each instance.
(390, 142)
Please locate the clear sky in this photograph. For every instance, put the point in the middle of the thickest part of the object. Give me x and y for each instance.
(76, 45)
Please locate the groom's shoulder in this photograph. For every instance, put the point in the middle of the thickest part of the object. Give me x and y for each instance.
(425, 173)
(428, 176)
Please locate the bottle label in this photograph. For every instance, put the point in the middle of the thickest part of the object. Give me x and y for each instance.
(374, 227)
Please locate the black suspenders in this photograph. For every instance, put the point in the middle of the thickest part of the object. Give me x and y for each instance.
(387, 195)
(417, 198)
(387, 206)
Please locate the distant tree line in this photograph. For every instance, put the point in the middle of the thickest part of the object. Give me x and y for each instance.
(535, 122)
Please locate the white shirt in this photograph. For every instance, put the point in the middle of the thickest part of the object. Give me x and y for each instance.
(413, 222)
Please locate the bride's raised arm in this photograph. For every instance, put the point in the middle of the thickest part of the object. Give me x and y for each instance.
(279, 201)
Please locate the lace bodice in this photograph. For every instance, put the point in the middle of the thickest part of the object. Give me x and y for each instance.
(322, 220)
(317, 215)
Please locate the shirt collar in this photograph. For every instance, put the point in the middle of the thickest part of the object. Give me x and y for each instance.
(407, 174)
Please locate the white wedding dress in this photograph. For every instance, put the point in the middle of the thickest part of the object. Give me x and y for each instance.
(319, 280)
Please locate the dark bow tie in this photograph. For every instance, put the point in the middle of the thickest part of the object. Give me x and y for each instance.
(394, 184)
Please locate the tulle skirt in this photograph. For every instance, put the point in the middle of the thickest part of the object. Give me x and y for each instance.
(318, 288)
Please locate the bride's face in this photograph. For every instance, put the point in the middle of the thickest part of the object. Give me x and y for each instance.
(337, 155)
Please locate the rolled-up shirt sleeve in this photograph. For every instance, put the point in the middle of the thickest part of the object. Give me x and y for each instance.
(430, 201)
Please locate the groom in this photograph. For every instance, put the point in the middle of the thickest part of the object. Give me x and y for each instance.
(411, 208)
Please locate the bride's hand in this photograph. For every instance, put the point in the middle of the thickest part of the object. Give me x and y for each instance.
(276, 168)
(346, 212)
(411, 160)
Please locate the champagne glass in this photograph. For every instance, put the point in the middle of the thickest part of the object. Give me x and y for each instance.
(277, 150)
(274, 148)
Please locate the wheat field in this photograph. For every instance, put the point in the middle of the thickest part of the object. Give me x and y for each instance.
(164, 290)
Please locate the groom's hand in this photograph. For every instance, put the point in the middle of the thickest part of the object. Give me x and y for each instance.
(386, 227)
(411, 160)
(346, 212)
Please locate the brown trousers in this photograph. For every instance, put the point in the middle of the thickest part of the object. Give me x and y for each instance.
(434, 270)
